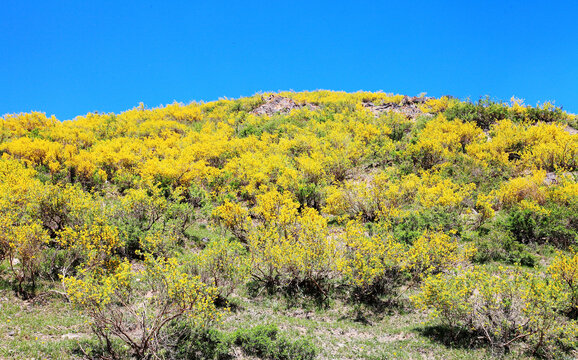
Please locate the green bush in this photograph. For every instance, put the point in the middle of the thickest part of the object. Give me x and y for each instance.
(411, 226)
(558, 225)
(185, 342)
(264, 341)
(484, 113)
(495, 243)
(182, 341)
(522, 225)
(546, 114)
(309, 195)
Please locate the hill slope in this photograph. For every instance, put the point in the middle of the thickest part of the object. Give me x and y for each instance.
(363, 225)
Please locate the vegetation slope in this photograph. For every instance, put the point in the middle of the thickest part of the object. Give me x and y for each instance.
(291, 226)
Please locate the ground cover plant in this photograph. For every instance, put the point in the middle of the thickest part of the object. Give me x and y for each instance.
(291, 226)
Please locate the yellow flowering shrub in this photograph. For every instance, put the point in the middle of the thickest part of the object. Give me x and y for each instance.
(565, 192)
(522, 146)
(485, 205)
(530, 188)
(145, 205)
(384, 196)
(434, 191)
(380, 195)
(441, 139)
(276, 209)
(506, 308)
(97, 245)
(21, 245)
(60, 206)
(36, 151)
(234, 218)
(288, 247)
(564, 270)
(434, 106)
(434, 252)
(23, 123)
(223, 264)
(135, 305)
(371, 263)
(22, 236)
(551, 147)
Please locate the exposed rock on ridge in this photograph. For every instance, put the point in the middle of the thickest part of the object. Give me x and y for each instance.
(407, 107)
(279, 104)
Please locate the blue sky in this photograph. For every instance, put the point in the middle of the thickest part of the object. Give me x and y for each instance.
(72, 57)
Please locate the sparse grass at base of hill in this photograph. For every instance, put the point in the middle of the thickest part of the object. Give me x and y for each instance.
(53, 329)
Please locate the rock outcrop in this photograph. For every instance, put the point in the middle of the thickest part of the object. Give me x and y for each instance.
(408, 107)
(277, 105)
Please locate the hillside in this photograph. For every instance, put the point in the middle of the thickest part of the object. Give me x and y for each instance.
(294, 225)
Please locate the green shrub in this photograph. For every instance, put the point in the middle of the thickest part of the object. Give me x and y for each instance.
(309, 195)
(546, 113)
(557, 225)
(399, 125)
(264, 341)
(494, 243)
(484, 113)
(522, 225)
(185, 342)
(411, 226)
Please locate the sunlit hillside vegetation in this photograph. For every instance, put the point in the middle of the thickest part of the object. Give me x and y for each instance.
(167, 233)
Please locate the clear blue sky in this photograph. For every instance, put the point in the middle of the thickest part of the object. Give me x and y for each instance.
(72, 57)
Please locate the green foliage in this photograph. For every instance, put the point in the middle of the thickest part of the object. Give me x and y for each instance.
(504, 249)
(411, 225)
(264, 341)
(557, 225)
(522, 225)
(182, 341)
(547, 113)
(484, 113)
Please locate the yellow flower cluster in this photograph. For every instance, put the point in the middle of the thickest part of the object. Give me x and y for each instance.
(384, 195)
(434, 252)
(441, 139)
(369, 260)
(564, 270)
(527, 147)
(96, 244)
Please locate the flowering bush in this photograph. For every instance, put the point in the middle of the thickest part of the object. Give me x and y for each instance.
(564, 270)
(223, 264)
(373, 264)
(135, 305)
(506, 308)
